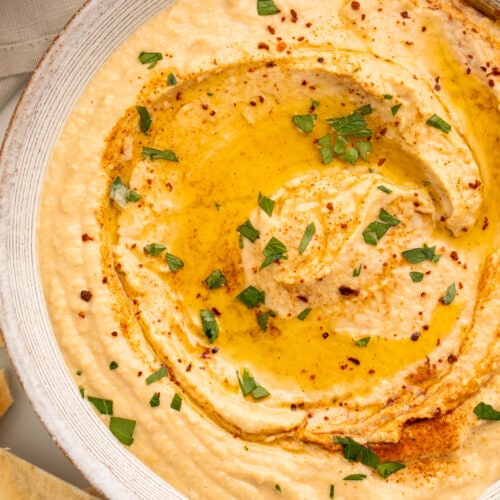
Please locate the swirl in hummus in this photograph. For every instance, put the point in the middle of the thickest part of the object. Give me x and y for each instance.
(351, 275)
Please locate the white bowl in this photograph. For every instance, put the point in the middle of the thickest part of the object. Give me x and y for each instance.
(60, 78)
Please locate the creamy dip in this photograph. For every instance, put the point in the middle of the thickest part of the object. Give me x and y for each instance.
(300, 284)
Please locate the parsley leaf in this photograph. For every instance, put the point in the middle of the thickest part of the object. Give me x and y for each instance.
(450, 295)
(157, 375)
(273, 251)
(357, 271)
(145, 119)
(362, 342)
(248, 231)
(416, 277)
(249, 385)
(266, 8)
(121, 194)
(105, 406)
(306, 238)
(215, 279)
(332, 491)
(176, 402)
(263, 320)
(385, 189)
(388, 468)
(417, 255)
(395, 108)
(364, 147)
(209, 324)
(439, 123)
(251, 297)
(113, 365)
(266, 204)
(325, 148)
(484, 411)
(155, 400)
(355, 477)
(122, 429)
(171, 80)
(376, 230)
(158, 154)
(154, 249)
(304, 313)
(174, 263)
(150, 58)
(305, 122)
(353, 124)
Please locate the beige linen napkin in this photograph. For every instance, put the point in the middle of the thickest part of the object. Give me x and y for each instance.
(26, 29)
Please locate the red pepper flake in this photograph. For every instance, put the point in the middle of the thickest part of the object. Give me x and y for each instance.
(114, 334)
(468, 71)
(204, 106)
(325, 335)
(253, 103)
(321, 60)
(216, 311)
(293, 407)
(491, 83)
(263, 46)
(81, 314)
(381, 161)
(452, 358)
(189, 367)
(486, 223)
(271, 30)
(215, 350)
(348, 291)
(270, 64)
(454, 255)
(371, 371)
(424, 29)
(308, 25)
(302, 298)
(294, 15)
(86, 237)
(85, 295)
(415, 336)
(139, 374)
(354, 361)
(329, 206)
(355, 5)
(280, 46)
(405, 14)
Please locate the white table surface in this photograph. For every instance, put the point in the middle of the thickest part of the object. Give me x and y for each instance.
(20, 429)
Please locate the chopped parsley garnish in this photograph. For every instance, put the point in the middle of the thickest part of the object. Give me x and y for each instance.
(273, 251)
(150, 58)
(351, 125)
(385, 189)
(357, 271)
(209, 324)
(266, 8)
(123, 429)
(304, 313)
(217, 206)
(306, 238)
(362, 342)
(332, 491)
(145, 122)
(356, 452)
(121, 194)
(395, 108)
(325, 148)
(252, 297)
(387, 96)
(249, 385)
(439, 123)
(154, 249)
(215, 279)
(266, 204)
(248, 231)
(416, 277)
(113, 365)
(263, 320)
(364, 148)
(176, 402)
(314, 103)
(155, 400)
(157, 375)
(82, 391)
(355, 477)
(174, 263)
(450, 295)
(158, 154)
(277, 487)
(374, 232)
(484, 411)
(417, 255)
(105, 406)
(171, 80)
(366, 109)
(305, 122)
(79, 372)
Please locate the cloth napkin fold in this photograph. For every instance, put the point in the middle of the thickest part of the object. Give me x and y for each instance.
(26, 29)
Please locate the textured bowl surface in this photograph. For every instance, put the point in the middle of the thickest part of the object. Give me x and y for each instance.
(99, 28)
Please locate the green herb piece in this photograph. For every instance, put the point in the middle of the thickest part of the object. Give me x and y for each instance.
(79, 372)
(266, 8)
(357, 271)
(484, 411)
(154, 249)
(273, 251)
(340, 145)
(395, 108)
(263, 320)
(355, 477)
(176, 402)
(376, 230)
(384, 189)
(314, 103)
(157, 375)
(123, 429)
(217, 206)
(350, 155)
(439, 123)
(113, 365)
(356, 452)
(249, 385)
(266, 204)
(332, 491)
(450, 295)
(387, 96)
(150, 58)
(365, 110)
(105, 406)
(364, 147)
(252, 297)
(361, 342)
(209, 324)
(305, 122)
(171, 79)
(145, 119)
(240, 242)
(277, 487)
(306, 238)
(325, 148)
(304, 313)
(388, 468)
(82, 391)
(210, 94)
(416, 277)
(155, 400)
(174, 263)
(353, 124)
(121, 194)
(248, 231)
(417, 255)
(215, 279)
(158, 154)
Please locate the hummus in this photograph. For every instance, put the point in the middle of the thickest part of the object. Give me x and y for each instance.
(285, 227)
